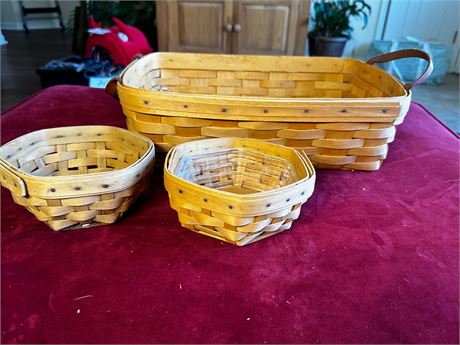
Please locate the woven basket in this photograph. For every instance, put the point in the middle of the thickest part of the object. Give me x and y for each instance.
(237, 190)
(341, 112)
(76, 176)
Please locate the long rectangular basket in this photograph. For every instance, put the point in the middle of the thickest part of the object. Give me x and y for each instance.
(79, 176)
(237, 190)
(341, 112)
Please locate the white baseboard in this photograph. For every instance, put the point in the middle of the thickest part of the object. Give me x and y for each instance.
(11, 26)
(32, 24)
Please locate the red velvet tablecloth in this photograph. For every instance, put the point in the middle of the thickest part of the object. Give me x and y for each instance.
(373, 258)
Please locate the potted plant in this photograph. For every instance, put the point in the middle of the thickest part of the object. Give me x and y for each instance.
(332, 27)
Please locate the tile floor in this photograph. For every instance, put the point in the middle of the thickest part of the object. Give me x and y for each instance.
(442, 100)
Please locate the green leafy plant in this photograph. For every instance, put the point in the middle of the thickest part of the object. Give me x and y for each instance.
(332, 17)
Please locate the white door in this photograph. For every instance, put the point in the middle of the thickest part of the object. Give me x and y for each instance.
(428, 20)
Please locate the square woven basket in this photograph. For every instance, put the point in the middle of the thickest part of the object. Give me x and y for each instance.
(74, 177)
(341, 112)
(237, 190)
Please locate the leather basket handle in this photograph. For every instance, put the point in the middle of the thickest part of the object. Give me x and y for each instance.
(111, 87)
(406, 53)
(10, 180)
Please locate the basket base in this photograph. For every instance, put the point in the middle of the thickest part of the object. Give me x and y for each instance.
(238, 190)
(211, 232)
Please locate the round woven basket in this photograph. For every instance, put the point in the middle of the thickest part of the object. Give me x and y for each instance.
(77, 176)
(237, 190)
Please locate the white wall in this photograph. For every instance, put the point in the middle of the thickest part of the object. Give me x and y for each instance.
(427, 20)
(361, 39)
(11, 14)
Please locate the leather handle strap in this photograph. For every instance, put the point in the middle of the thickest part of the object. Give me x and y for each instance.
(406, 53)
(10, 180)
(111, 87)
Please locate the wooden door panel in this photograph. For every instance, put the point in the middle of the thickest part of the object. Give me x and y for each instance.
(267, 27)
(273, 22)
(198, 26)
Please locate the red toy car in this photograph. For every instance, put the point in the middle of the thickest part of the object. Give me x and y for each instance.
(121, 42)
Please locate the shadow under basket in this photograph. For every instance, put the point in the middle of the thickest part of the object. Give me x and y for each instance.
(73, 177)
(237, 190)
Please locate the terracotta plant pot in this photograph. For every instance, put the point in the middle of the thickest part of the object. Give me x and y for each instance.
(326, 46)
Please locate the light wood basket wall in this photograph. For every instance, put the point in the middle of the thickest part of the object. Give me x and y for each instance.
(340, 112)
(77, 176)
(259, 198)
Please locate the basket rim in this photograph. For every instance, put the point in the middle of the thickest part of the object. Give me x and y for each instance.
(81, 177)
(171, 104)
(308, 166)
(249, 98)
(262, 99)
(245, 197)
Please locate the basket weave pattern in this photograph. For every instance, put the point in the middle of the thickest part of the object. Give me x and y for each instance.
(340, 112)
(237, 190)
(76, 176)
(361, 146)
(268, 84)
